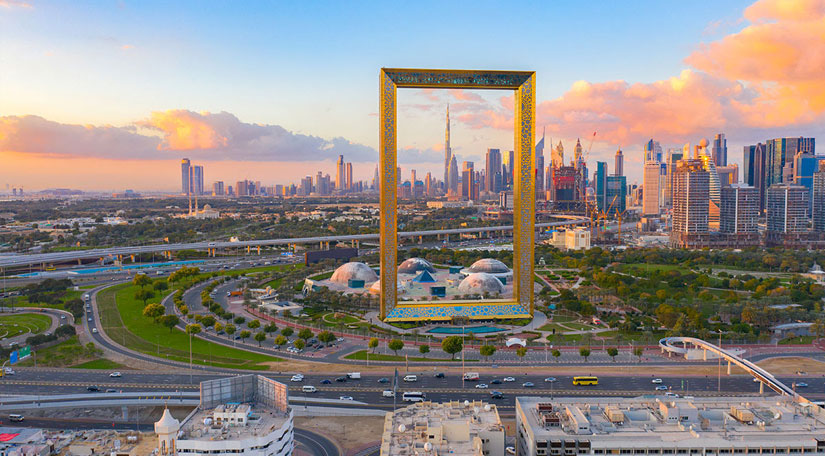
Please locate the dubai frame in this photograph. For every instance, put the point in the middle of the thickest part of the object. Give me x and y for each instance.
(524, 85)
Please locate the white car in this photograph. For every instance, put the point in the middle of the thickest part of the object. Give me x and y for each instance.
(509, 379)
(661, 388)
(481, 386)
(346, 398)
(656, 381)
(94, 330)
(115, 374)
(297, 378)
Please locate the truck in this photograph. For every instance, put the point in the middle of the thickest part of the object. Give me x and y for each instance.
(471, 376)
(236, 293)
(354, 376)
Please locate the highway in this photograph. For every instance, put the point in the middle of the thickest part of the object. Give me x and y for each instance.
(63, 257)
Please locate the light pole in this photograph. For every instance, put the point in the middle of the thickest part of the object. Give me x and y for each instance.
(190, 357)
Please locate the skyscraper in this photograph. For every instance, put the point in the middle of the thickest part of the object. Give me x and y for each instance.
(493, 168)
(453, 176)
(601, 186)
(690, 197)
(184, 176)
(673, 157)
(739, 209)
(467, 180)
(650, 192)
(348, 177)
(719, 151)
(218, 188)
(339, 174)
(787, 209)
(616, 194)
(448, 154)
(197, 180)
(754, 170)
(618, 170)
(818, 197)
(539, 167)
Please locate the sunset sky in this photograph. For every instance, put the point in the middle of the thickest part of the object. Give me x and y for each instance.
(111, 95)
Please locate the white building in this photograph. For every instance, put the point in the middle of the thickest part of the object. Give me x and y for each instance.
(575, 239)
(454, 428)
(247, 415)
(667, 426)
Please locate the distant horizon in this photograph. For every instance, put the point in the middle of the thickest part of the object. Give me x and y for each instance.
(275, 92)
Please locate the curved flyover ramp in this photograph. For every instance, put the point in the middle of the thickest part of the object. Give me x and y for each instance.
(668, 344)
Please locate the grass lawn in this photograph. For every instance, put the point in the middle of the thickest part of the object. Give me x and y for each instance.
(323, 276)
(64, 354)
(362, 356)
(102, 364)
(577, 326)
(800, 340)
(274, 284)
(122, 318)
(654, 267)
(346, 319)
(17, 324)
(556, 318)
(552, 326)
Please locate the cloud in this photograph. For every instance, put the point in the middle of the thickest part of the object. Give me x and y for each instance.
(165, 134)
(15, 4)
(414, 155)
(794, 10)
(463, 95)
(127, 47)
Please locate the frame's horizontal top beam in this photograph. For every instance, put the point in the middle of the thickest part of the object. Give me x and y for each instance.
(457, 79)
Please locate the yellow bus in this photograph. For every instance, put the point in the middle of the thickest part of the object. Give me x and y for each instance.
(583, 381)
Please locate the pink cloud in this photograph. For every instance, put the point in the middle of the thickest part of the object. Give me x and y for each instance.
(796, 10)
(464, 95)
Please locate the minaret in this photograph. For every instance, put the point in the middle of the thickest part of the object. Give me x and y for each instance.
(448, 153)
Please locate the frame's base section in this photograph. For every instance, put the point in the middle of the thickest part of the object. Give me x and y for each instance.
(439, 312)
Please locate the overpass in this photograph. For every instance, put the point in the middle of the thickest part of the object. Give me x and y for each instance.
(114, 252)
(764, 377)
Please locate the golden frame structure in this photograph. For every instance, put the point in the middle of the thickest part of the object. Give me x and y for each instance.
(524, 217)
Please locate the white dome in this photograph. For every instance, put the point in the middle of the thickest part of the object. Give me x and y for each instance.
(480, 283)
(704, 142)
(353, 271)
(488, 265)
(414, 266)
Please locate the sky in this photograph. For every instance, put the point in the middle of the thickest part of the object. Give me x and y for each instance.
(111, 95)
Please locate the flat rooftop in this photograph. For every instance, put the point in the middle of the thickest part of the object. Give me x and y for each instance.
(261, 421)
(478, 416)
(658, 421)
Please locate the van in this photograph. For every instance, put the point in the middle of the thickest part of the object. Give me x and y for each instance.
(309, 389)
(388, 393)
(410, 378)
(354, 376)
(16, 418)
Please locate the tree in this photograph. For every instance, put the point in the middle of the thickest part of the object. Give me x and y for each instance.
(280, 341)
(818, 328)
(424, 349)
(260, 336)
(160, 285)
(395, 345)
(208, 321)
(141, 280)
(193, 329)
(305, 334)
(487, 351)
(521, 352)
(286, 332)
(144, 295)
(254, 324)
(326, 337)
(230, 329)
(244, 335)
(613, 352)
(184, 310)
(638, 351)
(584, 353)
(300, 344)
(218, 326)
(239, 320)
(452, 345)
(170, 321)
(373, 344)
(154, 311)
(270, 328)
(556, 354)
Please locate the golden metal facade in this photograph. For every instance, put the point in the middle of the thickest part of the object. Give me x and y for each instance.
(524, 85)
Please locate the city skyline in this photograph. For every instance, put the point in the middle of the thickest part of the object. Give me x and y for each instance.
(114, 130)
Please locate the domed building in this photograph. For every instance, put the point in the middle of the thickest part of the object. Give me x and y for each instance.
(489, 266)
(414, 266)
(480, 283)
(353, 271)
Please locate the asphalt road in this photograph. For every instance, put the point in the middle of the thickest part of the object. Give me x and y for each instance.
(31, 381)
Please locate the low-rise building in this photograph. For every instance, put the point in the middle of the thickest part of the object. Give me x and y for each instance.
(667, 426)
(455, 428)
(248, 415)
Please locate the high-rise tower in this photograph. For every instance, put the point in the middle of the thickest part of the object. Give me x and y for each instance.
(618, 169)
(185, 188)
(340, 183)
(448, 153)
(719, 150)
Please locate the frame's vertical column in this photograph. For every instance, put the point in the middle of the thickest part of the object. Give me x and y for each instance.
(388, 197)
(524, 213)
